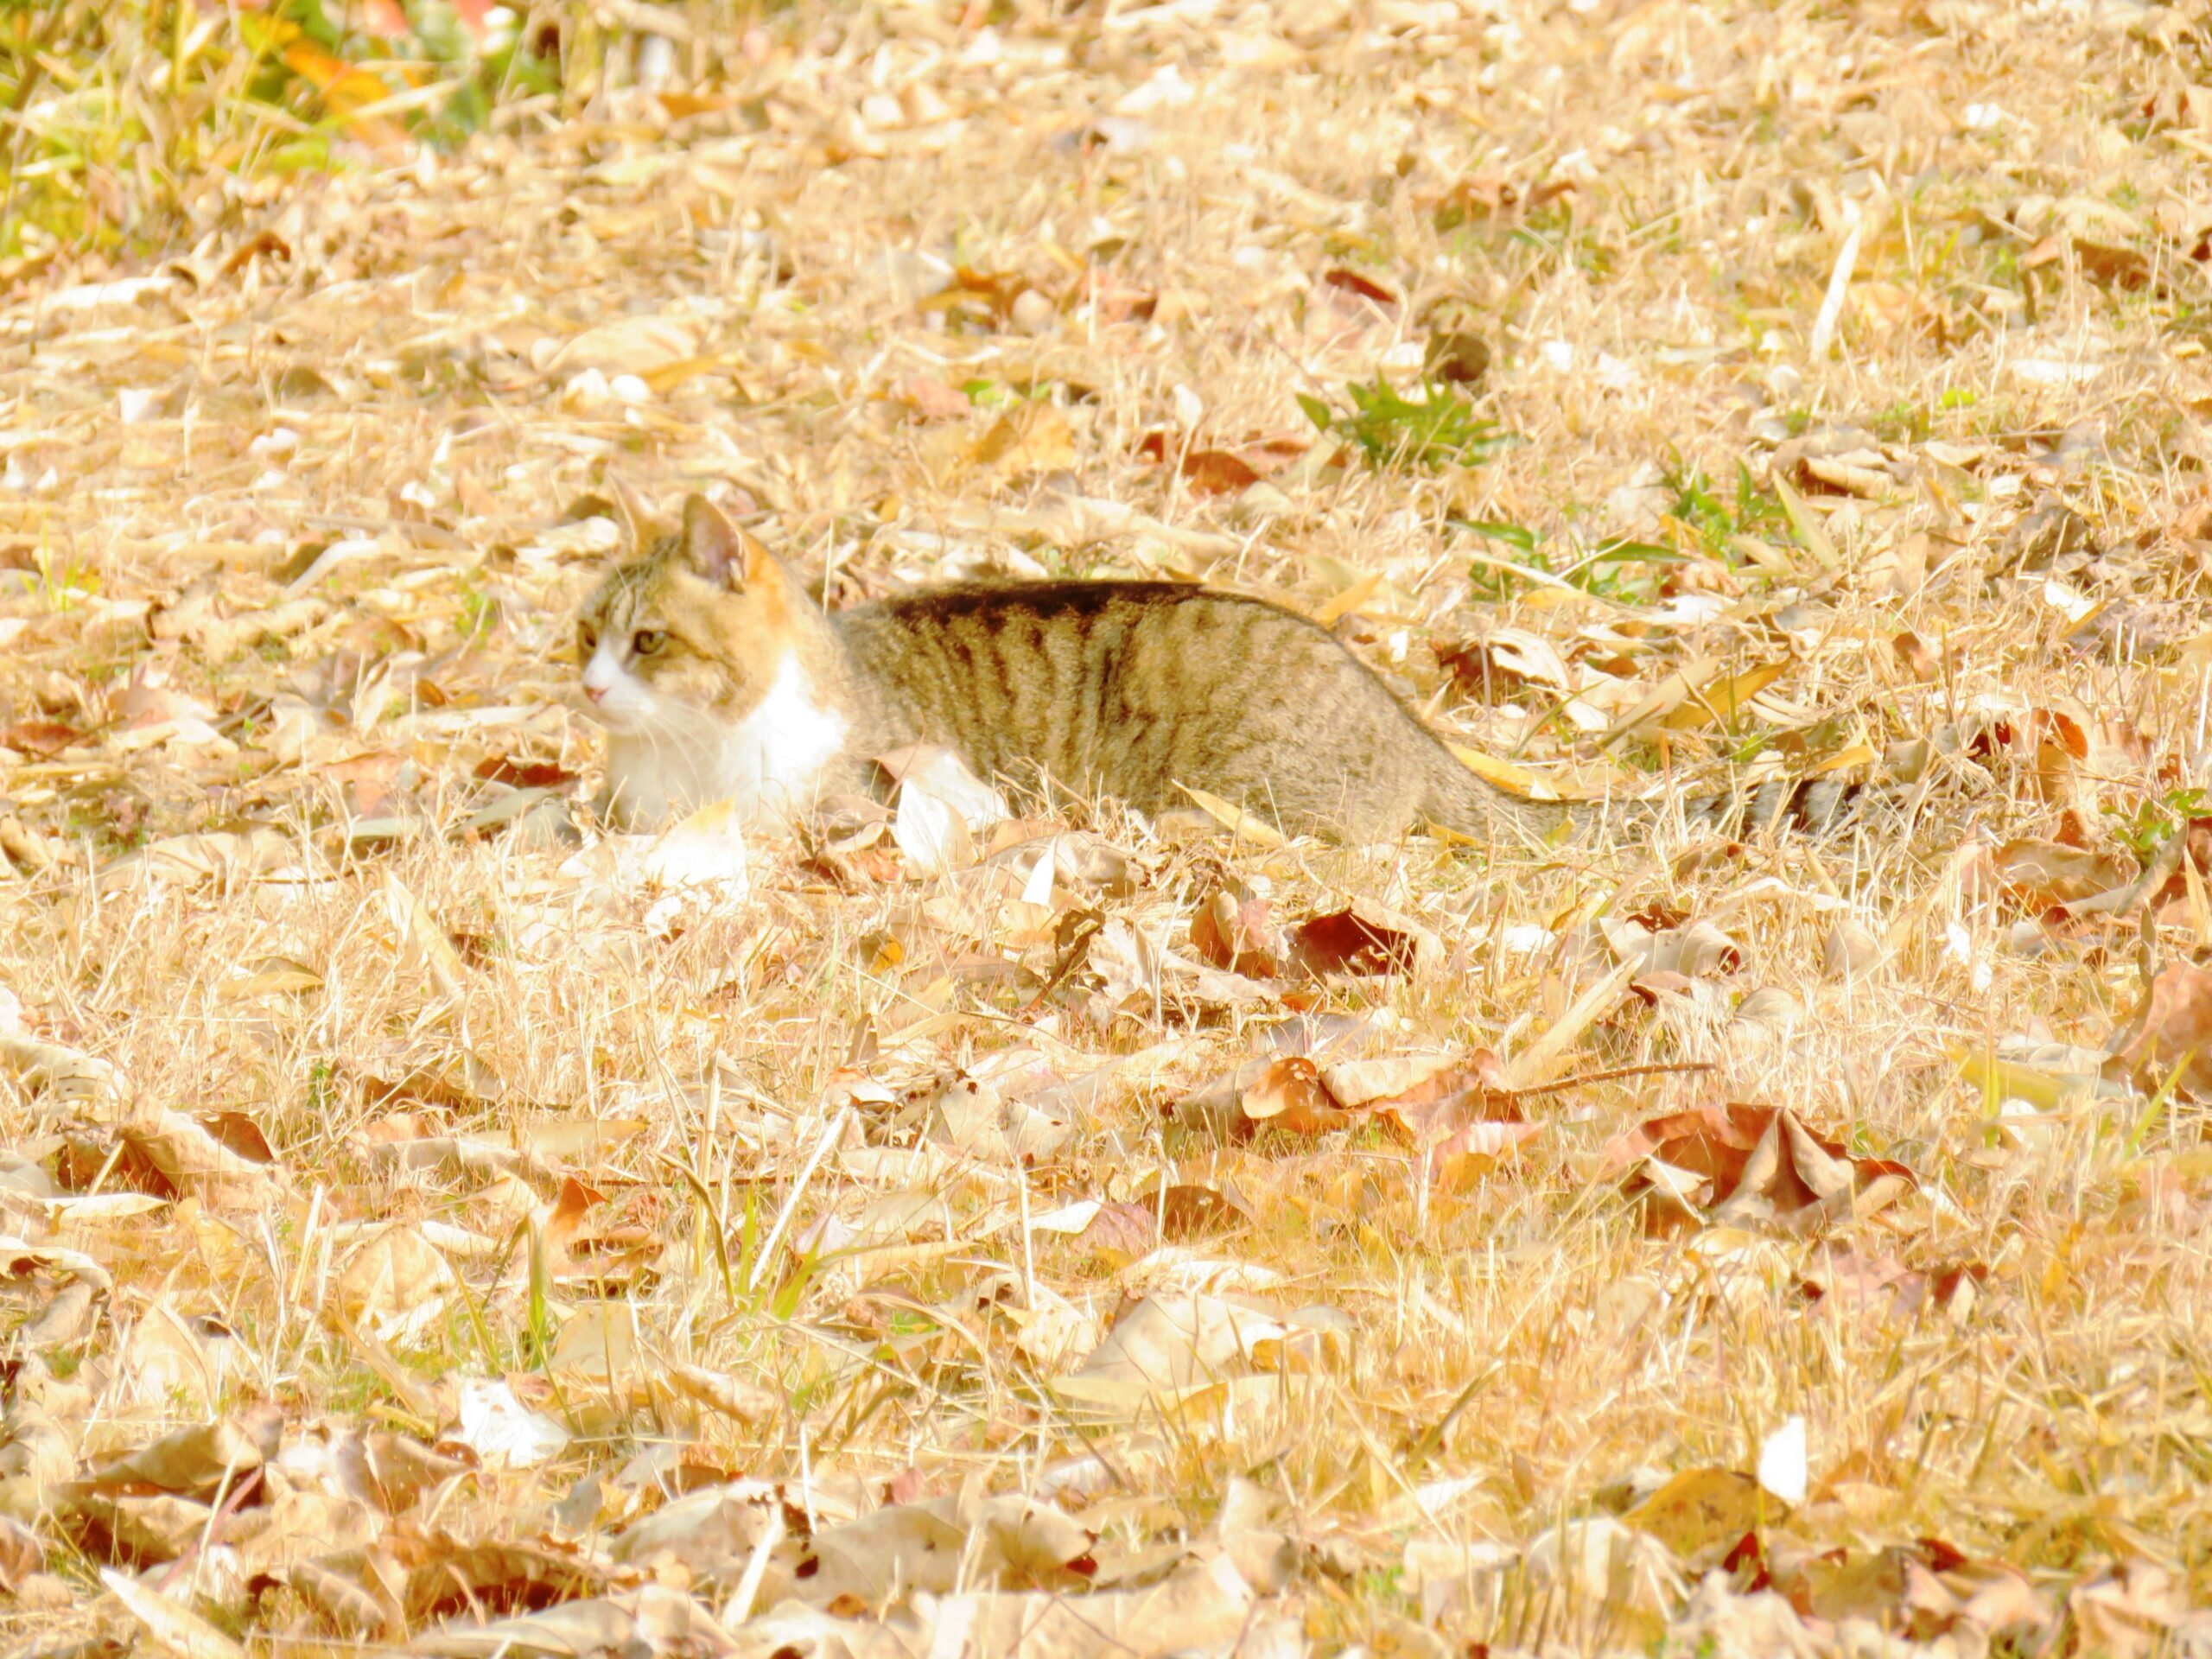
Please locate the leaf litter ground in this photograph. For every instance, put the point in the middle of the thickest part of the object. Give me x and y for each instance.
(975, 1226)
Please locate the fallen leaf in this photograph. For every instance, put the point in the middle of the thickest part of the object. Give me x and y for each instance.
(171, 1624)
(2166, 1041)
(1215, 472)
(1700, 1507)
(1188, 1211)
(1032, 437)
(1350, 282)
(1736, 1164)
(1289, 1094)
(1232, 928)
(1363, 938)
(1722, 700)
(1236, 819)
(1119, 1233)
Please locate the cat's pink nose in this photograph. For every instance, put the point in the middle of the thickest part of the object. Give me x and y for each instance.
(596, 693)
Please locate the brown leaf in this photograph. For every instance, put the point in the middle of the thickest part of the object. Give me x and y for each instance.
(522, 774)
(2041, 874)
(1215, 472)
(1290, 1095)
(1350, 282)
(1193, 1211)
(1458, 358)
(1466, 1091)
(1363, 938)
(1753, 1163)
(931, 399)
(1120, 1233)
(1232, 928)
(2170, 1032)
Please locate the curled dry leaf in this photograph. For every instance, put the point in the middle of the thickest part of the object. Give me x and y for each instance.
(1350, 283)
(1032, 437)
(1927, 1587)
(2166, 1042)
(1188, 1211)
(2041, 874)
(1290, 1095)
(1120, 1232)
(1699, 1508)
(1363, 938)
(1232, 928)
(1738, 1163)
(1851, 1284)
(1462, 1119)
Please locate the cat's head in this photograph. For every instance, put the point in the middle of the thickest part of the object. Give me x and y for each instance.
(695, 626)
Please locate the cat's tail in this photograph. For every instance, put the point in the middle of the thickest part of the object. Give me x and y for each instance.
(1472, 808)
(1468, 805)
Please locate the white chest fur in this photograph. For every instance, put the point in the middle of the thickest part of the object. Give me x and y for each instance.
(770, 764)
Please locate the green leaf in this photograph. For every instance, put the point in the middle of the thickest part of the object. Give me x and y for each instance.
(1317, 412)
(1513, 536)
(1622, 552)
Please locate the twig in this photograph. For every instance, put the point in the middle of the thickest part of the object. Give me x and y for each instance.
(1606, 1076)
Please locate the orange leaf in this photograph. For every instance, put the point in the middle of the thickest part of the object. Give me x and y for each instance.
(347, 89)
(1215, 472)
(1290, 1095)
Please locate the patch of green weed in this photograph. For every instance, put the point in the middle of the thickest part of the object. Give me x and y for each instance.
(1392, 431)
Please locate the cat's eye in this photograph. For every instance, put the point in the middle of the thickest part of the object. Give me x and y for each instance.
(586, 637)
(645, 641)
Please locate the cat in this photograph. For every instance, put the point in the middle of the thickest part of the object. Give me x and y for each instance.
(718, 678)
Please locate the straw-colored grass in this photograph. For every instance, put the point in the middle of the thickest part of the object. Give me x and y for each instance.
(1969, 539)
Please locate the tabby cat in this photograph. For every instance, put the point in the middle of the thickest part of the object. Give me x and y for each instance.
(717, 677)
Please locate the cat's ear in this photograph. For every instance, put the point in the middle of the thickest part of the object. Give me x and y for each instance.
(720, 551)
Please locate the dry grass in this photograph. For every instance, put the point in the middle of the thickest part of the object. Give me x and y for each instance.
(1640, 209)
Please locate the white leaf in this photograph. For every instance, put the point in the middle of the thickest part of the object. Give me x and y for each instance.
(501, 1429)
(931, 832)
(1781, 1462)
